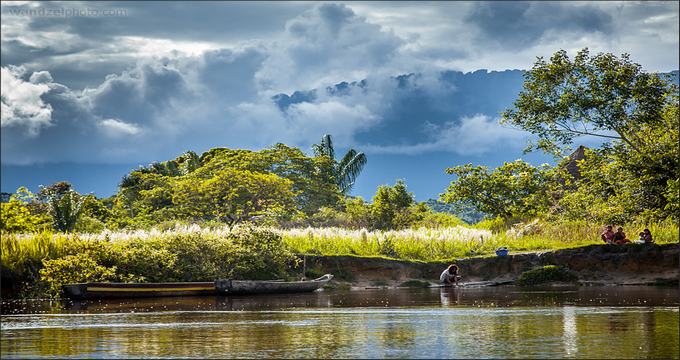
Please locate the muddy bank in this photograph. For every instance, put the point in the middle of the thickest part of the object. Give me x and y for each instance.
(596, 264)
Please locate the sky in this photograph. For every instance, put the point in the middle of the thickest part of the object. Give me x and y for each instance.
(92, 90)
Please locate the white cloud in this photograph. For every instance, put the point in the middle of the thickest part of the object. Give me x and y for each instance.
(150, 47)
(326, 45)
(22, 104)
(116, 128)
(41, 77)
(301, 124)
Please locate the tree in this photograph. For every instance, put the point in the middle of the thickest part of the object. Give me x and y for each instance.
(148, 195)
(313, 182)
(515, 189)
(620, 184)
(346, 171)
(232, 196)
(16, 216)
(182, 165)
(64, 204)
(95, 208)
(602, 95)
(358, 212)
(391, 205)
(188, 162)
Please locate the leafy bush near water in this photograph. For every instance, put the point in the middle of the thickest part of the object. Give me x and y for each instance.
(546, 274)
(41, 263)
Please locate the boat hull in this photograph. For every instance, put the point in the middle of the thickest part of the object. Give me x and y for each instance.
(219, 287)
(246, 287)
(126, 290)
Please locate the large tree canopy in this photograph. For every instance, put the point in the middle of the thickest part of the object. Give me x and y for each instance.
(227, 185)
(634, 175)
(602, 95)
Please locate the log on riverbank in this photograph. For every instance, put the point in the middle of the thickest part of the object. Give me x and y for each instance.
(595, 264)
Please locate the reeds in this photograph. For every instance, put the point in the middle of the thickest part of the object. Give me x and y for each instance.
(22, 250)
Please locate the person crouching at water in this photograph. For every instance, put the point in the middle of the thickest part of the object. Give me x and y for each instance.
(449, 276)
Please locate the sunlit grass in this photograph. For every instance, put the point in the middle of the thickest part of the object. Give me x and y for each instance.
(458, 242)
(25, 252)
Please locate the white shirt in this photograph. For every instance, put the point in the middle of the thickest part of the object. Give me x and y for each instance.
(445, 275)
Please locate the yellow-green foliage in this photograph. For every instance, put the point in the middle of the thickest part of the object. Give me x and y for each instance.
(432, 219)
(73, 269)
(42, 263)
(15, 217)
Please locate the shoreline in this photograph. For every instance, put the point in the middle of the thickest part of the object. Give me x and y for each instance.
(596, 265)
(647, 264)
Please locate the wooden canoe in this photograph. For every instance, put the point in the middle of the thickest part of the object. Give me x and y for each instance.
(244, 287)
(128, 290)
(219, 287)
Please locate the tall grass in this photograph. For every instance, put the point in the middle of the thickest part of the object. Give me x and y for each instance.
(187, 251)
(458, 242)
(415, 244)
(25, 253)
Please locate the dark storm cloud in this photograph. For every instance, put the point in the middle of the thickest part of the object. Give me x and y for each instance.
(522, 24)
(232, 73)
(87, 74)
(196, 20)
(220, 87)
(97, 39)
(138, 95)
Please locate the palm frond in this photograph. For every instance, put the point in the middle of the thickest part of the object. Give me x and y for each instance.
(351, 153)
(349, 169)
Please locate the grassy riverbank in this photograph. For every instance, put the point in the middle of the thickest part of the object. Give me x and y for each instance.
(40, 263)
(456, 242)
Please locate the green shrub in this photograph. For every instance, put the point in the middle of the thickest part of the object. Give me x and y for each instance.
(16, 217)
(89, 225)
(432, 220)
(257, 254)
(546, 274)
(146, 260)
(72, 269)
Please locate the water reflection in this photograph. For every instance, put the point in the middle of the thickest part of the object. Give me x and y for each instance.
(570, 334)
(412, 323)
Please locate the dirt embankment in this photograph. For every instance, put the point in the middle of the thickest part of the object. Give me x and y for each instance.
(595, 264)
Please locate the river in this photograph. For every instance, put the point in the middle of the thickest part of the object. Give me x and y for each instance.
(497, 322)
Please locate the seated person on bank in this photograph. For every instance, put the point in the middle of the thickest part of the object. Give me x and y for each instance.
(608, 235)
(620, 237)
(449, 276)
(647, 236)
